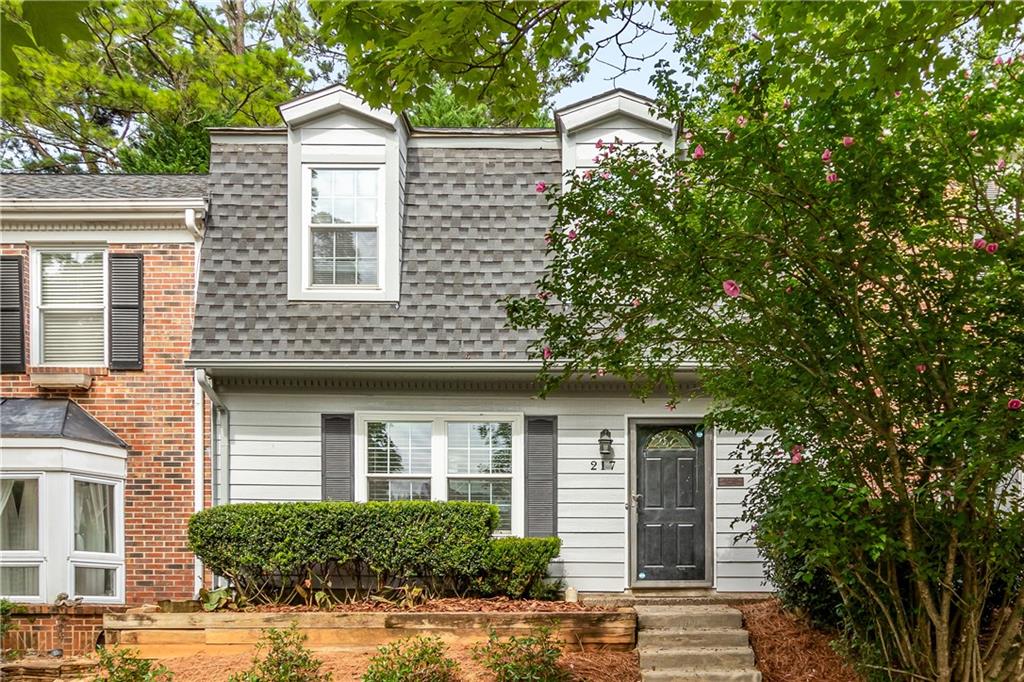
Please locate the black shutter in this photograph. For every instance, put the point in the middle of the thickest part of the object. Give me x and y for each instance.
(126, 311)
(541, 476)
(337, 462)
(12, 316)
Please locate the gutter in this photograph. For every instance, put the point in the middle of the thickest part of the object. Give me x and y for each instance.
(105, 210)
(382, 365)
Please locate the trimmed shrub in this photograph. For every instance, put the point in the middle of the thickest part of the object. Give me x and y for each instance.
(419, 659)
(533, 658)
(286, 551)
(287, 660)
(518, 567)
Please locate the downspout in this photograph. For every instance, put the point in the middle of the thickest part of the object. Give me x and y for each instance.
(199, 464)
(218, 444)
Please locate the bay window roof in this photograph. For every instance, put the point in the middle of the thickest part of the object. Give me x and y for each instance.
(53, 418)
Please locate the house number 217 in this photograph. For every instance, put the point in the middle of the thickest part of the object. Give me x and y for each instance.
(603, 465)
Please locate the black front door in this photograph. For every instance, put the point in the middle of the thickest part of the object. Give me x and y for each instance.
(670, 502)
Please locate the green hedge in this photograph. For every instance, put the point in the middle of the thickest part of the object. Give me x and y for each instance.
(309, 551)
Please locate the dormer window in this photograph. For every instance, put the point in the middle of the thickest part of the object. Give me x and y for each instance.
(346, 165)
(345, 206)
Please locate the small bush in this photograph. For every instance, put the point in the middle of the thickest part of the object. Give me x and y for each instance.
(123, 665)
(534, 658)
(286, 660)
(420, 659)
(518, 567)
(8, 609)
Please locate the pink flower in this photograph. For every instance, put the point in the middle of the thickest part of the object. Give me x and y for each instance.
(980, 243)
(587, 174)
(547, 352)
(610, 212)
(605, 175)
(548, 238)
(897, 93)
(572, 235)
(832, 177)
(796, 458)
(731, 288)
(826, 156)
(636, 302)
(541, 186)
(796, 454)
(998, 61)
(921, 368)
(789, 290)
(786, 104)
(847, 141)
(741, 121)
(698, 152)
(972, 133)
(599, 144)
(967, 74)
(1001, 164)
(544, 295)
(992, 247)
(1014, 404)
(597, 159)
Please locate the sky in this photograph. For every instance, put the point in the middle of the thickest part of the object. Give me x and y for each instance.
(606, 69)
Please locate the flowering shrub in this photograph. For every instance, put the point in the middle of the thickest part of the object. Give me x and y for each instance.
(847, 270)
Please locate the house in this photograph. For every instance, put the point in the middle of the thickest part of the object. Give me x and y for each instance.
(350, 334)
(101, 423)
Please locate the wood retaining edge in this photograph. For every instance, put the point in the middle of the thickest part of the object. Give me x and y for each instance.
(167, 635)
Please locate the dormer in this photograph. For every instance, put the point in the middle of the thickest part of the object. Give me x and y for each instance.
(615, 114)
(346, 176)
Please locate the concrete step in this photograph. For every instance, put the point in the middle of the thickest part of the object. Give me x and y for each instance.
(697, 658)
(674, 637)
(744, 675)
(688, 618)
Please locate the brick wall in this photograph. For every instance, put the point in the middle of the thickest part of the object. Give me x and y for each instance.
(40, 629)
(152, 411)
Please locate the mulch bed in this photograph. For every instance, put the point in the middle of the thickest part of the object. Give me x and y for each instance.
(445, 605)
(789, 649)
(589, 666)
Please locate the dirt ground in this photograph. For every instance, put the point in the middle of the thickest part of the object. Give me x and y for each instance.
(590, 666)
(788, 649)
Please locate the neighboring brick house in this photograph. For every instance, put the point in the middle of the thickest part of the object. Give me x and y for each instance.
(102, 451)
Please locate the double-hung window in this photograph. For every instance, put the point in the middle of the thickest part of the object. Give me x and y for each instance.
(444, 457)
(70, 298)
(21, 551)
(344, 209)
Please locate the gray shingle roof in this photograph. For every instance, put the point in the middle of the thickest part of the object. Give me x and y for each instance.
(53, 418)
(473, 233)
(110, 186)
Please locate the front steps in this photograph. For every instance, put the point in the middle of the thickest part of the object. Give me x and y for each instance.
(694, 643)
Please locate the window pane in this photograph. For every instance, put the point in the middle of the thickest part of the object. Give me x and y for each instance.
(339, 196)
(480, 448)
(391, 489)
(498, 493)
(71, 277)
(19, 515)
(72, 338)
(670, 439)
(19, 581)
(398, 447)
(95, 582)
(366, 181)
(94, 517)
(344, 256)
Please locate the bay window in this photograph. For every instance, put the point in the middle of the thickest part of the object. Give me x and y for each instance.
(453, 457)
(21, 556)
(94, 558)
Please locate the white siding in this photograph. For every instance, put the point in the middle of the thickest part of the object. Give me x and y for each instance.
(738, 563)
(275, 455)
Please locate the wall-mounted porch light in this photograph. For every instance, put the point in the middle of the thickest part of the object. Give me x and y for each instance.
(605, 441)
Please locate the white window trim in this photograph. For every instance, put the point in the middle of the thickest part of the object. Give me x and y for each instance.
(439, 456)
(37, 558)
(341, 290)
(113, 560)
(35, 285)
(389, 156)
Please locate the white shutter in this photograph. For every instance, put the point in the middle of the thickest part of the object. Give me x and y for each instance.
(72, 303)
